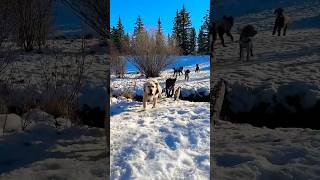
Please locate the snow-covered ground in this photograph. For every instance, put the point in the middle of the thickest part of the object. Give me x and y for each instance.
(45, 152)
(198, 83)
(242, 151)
(281, 67)
(170, 141)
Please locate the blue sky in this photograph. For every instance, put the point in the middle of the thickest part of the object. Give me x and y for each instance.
(149, 11)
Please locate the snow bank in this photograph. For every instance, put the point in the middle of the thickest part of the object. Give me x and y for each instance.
(45, 152)
(243, 98)
(10, 123)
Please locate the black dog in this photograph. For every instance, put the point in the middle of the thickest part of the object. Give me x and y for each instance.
(224, 26)
(177, 71)
(170, 86)
(197, 68)
(281, 22)
(186, 75)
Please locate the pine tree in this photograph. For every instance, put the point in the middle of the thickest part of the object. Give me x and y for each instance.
(119, 36)
(182, 30)
(192, 41)
(159, 35)
(113, 34)
(203, 37)
(202, 46)
(176, 34)
(139, 27)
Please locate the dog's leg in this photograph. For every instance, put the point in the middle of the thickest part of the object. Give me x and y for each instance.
(222, 40)
(230, 35)
(251, 48)
(285, 29)
(167, 92)
(144, 104)
(248, 52)
(279, 31)
(154, 102)
(274, 29)
(240, 52)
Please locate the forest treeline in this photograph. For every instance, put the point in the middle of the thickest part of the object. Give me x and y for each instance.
(183, 35)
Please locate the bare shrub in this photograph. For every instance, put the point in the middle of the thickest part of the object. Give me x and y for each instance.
(58, 107)
(151, 58)
(62, 80)
(32, 21)
(118, 63)
(6, 23)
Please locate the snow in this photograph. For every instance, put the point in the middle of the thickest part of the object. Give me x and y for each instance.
(244, 98)
(167, 142)
(242, 151)
(45, 152)
(11, 122)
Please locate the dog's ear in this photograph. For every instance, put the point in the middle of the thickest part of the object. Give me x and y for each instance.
(145, 87)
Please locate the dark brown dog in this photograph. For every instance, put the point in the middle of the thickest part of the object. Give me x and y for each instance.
(197, 68)
(177, 71)
(186, 75)
(224, 26)
(245, 40)
(281, 22)
(170, 83)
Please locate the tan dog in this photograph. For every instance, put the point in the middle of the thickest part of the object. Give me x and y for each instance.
(177, 93)
(281, 22)
(151, 92)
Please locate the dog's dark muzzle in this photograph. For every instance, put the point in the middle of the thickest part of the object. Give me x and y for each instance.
(150, 93)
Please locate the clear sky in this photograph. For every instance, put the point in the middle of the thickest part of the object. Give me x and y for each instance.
(150, 10)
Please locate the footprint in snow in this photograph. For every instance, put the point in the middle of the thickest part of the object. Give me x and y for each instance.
(183, 112)
(231, 160)
(171, 142)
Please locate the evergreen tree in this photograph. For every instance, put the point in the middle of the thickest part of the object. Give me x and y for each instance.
(192, 41)
(202, 40)
(176, 34)
(203, 37)
(119, 36)
(139, 27)
(159, 35)
(182, 30)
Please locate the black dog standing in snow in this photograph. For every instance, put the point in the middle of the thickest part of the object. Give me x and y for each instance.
(170, 86)
(186, 75)
(224, 26)
(177, 71)
(281, 22)
(197, 68)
